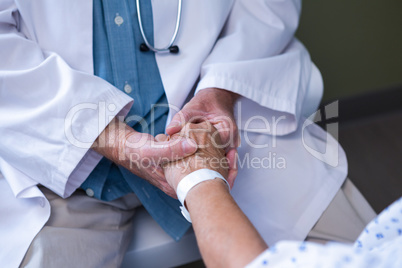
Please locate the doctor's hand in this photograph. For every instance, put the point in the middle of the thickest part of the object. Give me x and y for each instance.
(215, 106)
(141, 153)
(210, 153)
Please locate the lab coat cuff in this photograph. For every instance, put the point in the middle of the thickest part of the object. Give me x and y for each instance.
(91, 158)
(281, 115)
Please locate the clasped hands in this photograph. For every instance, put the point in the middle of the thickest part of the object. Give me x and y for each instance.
(202, 135)
(210, 154)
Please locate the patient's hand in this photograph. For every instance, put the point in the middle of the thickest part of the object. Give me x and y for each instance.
(210, 153)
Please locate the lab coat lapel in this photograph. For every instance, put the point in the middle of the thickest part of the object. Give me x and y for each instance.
(63, 26)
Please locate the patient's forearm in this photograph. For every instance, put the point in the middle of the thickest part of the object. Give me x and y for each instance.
(225, 236)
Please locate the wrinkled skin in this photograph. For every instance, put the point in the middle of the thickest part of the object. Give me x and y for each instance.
(210, 153)
(215, 106)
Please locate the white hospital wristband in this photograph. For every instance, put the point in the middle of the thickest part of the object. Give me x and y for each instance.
(191, 180)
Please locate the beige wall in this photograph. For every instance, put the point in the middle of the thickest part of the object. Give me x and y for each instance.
(357, 44)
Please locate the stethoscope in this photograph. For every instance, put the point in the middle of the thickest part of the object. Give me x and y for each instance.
(169, 48)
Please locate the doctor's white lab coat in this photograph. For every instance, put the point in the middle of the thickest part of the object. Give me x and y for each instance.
(52, 107)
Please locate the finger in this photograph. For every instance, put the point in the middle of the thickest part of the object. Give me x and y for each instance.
(238, 140)
(158, 170)
(228, 131)
(177, 123)
(183, 117)
(161, 137)
(167, 189)
(171, 150)
(232, 174)
(232, 157)
(174, 127)
(235, 141)
(162, 183)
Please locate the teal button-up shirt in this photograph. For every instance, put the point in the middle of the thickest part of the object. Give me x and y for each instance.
(118, 60)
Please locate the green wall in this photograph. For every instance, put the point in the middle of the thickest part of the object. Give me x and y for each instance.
(357, 44)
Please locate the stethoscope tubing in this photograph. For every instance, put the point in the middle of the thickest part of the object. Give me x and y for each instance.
(176, 30)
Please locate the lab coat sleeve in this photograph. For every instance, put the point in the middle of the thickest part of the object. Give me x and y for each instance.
(50, 113)
(258, 57)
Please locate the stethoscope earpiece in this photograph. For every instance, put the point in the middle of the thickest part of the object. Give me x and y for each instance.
(174, 49)
(144, 47)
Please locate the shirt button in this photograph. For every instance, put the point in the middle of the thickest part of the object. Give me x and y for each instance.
(118, 20)
(90, 192)
(128, 89)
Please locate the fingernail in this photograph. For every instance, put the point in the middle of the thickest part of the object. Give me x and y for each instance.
(236, 160)
(238, 141)
(189, 146)
(174, 124)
